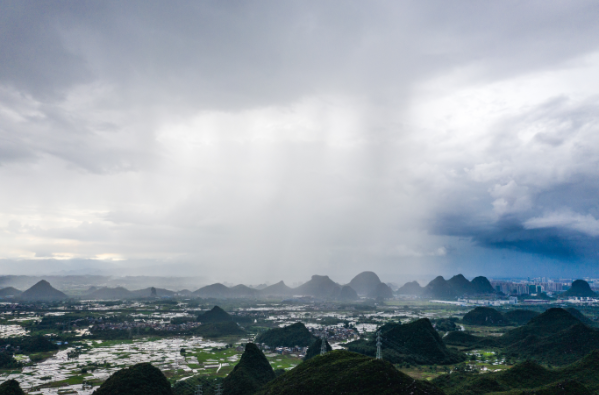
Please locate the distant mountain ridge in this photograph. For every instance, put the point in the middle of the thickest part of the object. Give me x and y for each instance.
(9, 292)
(278, 289)
(410, 288)
(366, 284)
(107, 293)
(456, 286)
(319, 286)
(42, 291)
(369, 284)
(111, 293)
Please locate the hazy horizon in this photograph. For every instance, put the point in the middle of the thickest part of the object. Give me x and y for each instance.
(253, 142)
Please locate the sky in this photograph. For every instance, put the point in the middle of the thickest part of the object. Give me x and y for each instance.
(259, 141)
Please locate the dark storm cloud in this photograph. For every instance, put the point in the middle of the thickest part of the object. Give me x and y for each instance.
(547, 204)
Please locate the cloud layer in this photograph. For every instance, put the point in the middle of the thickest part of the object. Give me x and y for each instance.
(277, 140)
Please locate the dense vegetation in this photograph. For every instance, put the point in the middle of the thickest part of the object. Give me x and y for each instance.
(520, 316)
(445, 324)
(11, 387)
(189, 386)
(416, 343)
(289, 336)
(463, 339)
(560, 348)
(315, 349)
(343, 372)
(581, 317)
(485, 316)
(7, 361)
(554, 337)
(550, 322)
(28, 344)
(251, 373)
(140, 379)
(527, 376)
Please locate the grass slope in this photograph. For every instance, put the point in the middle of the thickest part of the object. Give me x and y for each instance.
(344, 372)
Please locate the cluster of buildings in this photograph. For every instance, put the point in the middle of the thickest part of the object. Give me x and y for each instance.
(488, 302)
(532, 286)
(335, 333)
(300, 351)
(134, 325)
(581, 300)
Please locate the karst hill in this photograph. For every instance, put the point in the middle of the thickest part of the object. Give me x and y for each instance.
(348, 373)
(42, 291)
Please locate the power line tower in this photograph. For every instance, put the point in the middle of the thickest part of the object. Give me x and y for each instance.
(198, 390)
(323, 344)
(219, 390)
(379, 354)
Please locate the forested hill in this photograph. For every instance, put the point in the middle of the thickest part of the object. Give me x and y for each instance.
(348, 373)
(251, 373)
(417, 342)
(289, 336)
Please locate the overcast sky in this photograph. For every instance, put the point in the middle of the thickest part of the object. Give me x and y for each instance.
(257, 141)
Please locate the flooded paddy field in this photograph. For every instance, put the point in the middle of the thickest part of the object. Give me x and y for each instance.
(97, 360)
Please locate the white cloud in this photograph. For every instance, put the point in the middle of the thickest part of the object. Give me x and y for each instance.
(586, 224)
(294, 138)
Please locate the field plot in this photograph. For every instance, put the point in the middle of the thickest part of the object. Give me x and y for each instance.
(12, 331)
(99, 359)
